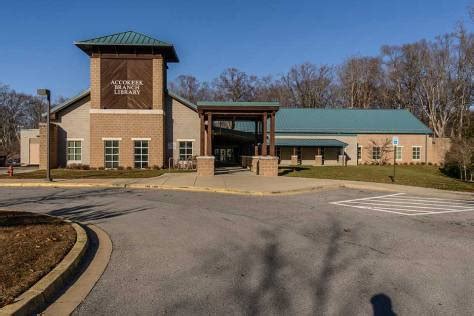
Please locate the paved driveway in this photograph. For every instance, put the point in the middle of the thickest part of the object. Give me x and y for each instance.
(202, 253)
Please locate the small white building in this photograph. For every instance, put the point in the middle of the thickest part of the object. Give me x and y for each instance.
(29, 147)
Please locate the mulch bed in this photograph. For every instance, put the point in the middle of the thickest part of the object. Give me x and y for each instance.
(31, 245)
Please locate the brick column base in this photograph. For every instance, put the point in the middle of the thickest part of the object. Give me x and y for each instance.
(294, 159)
(205, 165)
(318, 160)
(268, 166)
(341, 159)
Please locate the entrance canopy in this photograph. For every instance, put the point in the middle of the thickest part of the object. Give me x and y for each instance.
(258, 112)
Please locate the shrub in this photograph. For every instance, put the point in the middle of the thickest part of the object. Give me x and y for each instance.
(430, 163)
(129, 168)
(120, 168)
(101, 168)
(85, 167)
(156, 167)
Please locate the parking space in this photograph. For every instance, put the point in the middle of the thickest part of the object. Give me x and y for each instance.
(405, 204)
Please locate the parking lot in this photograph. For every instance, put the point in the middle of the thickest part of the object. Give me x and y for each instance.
(184, 253)
(406, 204)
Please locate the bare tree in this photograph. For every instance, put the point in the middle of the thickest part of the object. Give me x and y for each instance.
(309, 85)
(360, 79)
(234, 85)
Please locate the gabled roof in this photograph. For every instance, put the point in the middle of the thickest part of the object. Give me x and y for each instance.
(71, 101)
(348, 121)
(119, 42)
(186, 102)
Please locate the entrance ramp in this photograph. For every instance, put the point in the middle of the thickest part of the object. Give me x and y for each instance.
(232, 170)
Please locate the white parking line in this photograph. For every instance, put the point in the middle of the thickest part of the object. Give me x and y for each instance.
(402, 204)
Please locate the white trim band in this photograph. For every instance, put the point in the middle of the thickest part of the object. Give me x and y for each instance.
(125, 111)
(75, 139)
(111, 138)
(141, 138)
(185, 140)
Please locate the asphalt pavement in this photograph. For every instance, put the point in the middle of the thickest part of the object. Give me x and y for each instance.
(191, 253)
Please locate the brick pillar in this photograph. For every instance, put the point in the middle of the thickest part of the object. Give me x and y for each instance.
(341, 159)
(53, 136)
(294, 159)
(254, 164)
(205, 165)
(268, 166)
(318, 160)
(95, 82)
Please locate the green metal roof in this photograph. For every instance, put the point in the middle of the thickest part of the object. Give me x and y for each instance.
(348, 121)
(238, 103)
(129, 38)
(123, 40)
(309, 142)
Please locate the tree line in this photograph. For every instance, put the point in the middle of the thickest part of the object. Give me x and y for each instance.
(433, 79)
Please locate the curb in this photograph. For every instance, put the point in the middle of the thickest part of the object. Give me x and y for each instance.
(38, 296)
(88, 278)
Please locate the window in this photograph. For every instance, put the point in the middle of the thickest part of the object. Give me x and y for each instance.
(185, 150)
(278, 152)
(111, 149)
(359, 152)
(376, 153)
(140, 154)
(398, 153)
(74, 150)
(416, 153)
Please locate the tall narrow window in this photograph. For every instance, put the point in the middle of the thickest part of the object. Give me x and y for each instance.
(74, 150)
(359, 152)
(376, 153)
(398, 153)
(141, 154)
(185, 150)
(416, 153)
(111, 150)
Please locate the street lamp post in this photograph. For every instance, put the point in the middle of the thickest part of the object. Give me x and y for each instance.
(47, 93)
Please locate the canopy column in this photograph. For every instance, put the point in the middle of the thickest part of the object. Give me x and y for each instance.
(202, 134)
(264, 132)
(272, 134)
(209, 134)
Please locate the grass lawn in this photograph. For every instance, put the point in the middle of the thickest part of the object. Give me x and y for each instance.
(421, 176)
(31, 245)
(91, 174)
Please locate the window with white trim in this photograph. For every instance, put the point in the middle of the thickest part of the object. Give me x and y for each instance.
(140, 154)
(398, 153)
(111, 150)
(376, 152)
(416, 153)
(74, 150)
(185, 150)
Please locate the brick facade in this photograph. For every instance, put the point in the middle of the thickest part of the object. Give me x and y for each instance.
(268, 166)
(125, 127)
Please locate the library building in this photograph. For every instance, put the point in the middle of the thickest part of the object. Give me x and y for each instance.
(127, 118)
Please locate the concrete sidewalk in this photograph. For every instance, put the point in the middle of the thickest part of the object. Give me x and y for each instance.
(238, 183)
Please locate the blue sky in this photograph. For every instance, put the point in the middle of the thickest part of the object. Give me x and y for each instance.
(260, 37)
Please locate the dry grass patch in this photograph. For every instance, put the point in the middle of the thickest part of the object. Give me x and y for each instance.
(31, 245)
